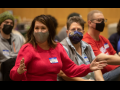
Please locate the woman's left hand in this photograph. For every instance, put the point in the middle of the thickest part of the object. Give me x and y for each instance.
(97, 65)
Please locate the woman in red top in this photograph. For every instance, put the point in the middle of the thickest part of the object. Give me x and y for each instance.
(41, 58)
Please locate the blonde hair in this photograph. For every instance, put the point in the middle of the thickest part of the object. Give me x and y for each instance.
(91, 13)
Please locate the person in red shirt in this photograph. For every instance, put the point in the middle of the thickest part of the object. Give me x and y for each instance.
(41, 58)
(99, 44)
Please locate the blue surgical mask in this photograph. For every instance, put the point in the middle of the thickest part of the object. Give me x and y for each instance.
(75, 37)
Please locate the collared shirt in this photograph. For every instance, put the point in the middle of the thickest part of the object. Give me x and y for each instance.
(82, 59)
(9, 51)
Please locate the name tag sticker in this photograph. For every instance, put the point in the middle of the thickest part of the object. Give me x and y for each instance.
(106, 46)
(86, 59)
(6, 52)
(53, 60)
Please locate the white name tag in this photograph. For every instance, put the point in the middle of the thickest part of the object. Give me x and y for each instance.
(102, 49)
(53, 60)
(107, 53)
(86, 59)
(106, 46)
(6, 52)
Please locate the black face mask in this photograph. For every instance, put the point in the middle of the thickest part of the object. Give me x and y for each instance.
(7, 29)
(100, 26)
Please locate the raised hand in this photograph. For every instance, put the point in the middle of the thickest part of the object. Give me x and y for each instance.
(22, 66)
(95, 65)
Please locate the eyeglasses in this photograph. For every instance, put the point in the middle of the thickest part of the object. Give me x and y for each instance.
(100, 20)
(79, 30)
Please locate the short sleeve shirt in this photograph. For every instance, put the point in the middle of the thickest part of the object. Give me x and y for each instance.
(101, 46)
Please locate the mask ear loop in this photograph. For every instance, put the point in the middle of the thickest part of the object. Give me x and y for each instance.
(92, 22)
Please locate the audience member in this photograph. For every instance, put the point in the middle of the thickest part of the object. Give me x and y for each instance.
(62, 34)
(15, 30)
(41, 58)
(115, 39)
(78, 51)
(10, 43)
(99, 44)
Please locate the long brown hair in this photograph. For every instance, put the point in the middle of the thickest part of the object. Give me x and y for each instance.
(46, 20)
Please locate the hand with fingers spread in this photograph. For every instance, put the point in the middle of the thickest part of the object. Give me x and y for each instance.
(21, 68)
(95, 65)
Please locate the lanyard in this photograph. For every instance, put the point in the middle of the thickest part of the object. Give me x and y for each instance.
(14, 47)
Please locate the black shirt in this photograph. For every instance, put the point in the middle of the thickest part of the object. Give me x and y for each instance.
(9, 40)
(114, 38)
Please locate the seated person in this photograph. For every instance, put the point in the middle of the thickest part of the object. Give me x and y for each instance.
(79, 51)
(10, 43)
(101, 45)
(62, 34)
(115, 39)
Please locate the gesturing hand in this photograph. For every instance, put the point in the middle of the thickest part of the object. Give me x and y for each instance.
(95, 65)
(119, 53)
(21, 68)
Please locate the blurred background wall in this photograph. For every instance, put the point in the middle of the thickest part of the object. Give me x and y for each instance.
(24, 14)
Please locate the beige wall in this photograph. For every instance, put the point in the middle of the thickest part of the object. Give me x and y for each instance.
(112, 14)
